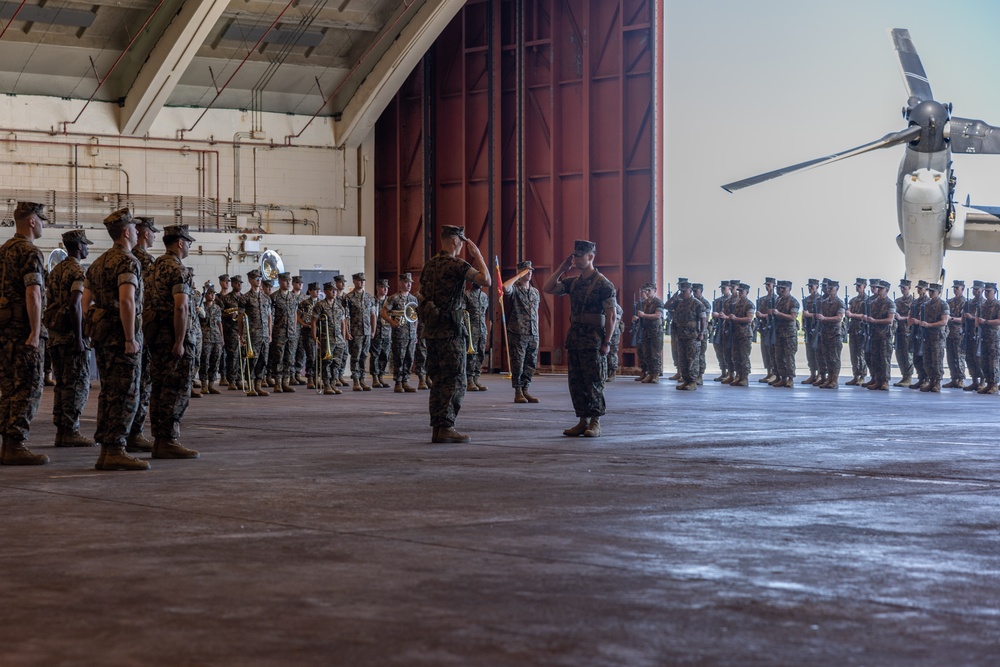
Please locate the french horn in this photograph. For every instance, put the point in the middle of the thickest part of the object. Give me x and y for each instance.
(408, 314)
(55, 257)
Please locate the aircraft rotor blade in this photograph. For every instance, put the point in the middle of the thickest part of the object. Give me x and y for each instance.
(892, 139)
(914, 77)
(973, 136)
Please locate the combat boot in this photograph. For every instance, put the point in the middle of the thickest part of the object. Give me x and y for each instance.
(310, 384)
(934, 387)
(790, 382)
(446, 434)
(233, 386)
(195, 393)
(410, 390)
(277, 387)
(687, 386)
(50, 379)
(871, 384)
(578, 429)
(470, 385)
(399, 387)
(675, 376)
(479, 385)
(14, 453)
(73, 439)
(954, 384)
(299, 380)
(260, 389)
(767, 379)
(168, 448)
(652, 379)
(422, 382)
(907, 381)
(250, 391)
(594, 428)
(641, 378)
(721, 377)
(519, 395)
(831, 383)
(113, 457)
(729, 379)
(428, 381)
(811, 379)
(286, 385)
(364, 387)
(612, 374)
(740, 381)
(992, 389)
(329, 389)
(853, 382)
(531, 399)
(138, 443)
(919, 384)
(778, 381)
(212, 389)
(356, 385)
(701, 380)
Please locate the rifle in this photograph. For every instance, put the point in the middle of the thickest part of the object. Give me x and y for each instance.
(772, 328)
(815, 334)
(637, 324)
(923, 330)
(716, 324)
(866, 326)
(668, 318)
(978, 335)
(756, 320)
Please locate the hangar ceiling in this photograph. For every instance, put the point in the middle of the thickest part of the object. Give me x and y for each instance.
(298, 56)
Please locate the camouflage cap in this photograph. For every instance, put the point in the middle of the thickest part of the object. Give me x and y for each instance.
(209, 289)
(581, 247)
(698, 286)
(383, 282)
(236, 279)
(784, 283)
(359, 276)
(922, 283)
(285, 275)
(26, 208)
(147, 222)
(724, 283)
(958, 283)
(312, 286)
(683, 280)
(684, 284)
(813, 281)
(297, 279)
(860, 281)
(769, 281)
(884, 284)
(905, 283)
(525, 264)
(992, 286)
(76, 236)
(406, 277)
(451, 230)
(122, 216)
(224, 276)
(254, 274)
(978, 283)
(832, 283)
(934, 287)
(340, 278)
(743, 287)
(734, 283)
(327, 286)
(173, 232)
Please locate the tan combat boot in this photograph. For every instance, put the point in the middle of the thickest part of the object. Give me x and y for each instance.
(286, 385)
(212, 389)
(740, 381)
(399, 387)
(531, 399)
(675, 377)
(611, 375)
(422, 382)
(687, 386)
(905, 382)
(356, 385)
(260, 389)
(164, 448)
(811, 379)
(578, 429)
(446, 434)
(14, 453)
(410, 390)
(138, 443)
(73, 439)
(479, 385)
(329, 389)
(113, 457)
(310, 384)
(470, 385)
(299, 380)
(721, 377)
(730, 378)
(519, 395)
(195, 393)
(767, 379)
(853, 382)
(641, 378)
(365, 387)
(594, 428)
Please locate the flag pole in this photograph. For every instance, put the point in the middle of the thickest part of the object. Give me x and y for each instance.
(503, 316)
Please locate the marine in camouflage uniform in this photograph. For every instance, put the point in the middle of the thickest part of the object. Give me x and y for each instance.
(404, 334)
(592, 323)
(340, 283)
(765, 304)
(784, 317)
(831, 336)
(211, 345)
(934, 324)
(112, 298)
(917, 334)
(146, 231)
(727, 332)
(881, 320)
(362, 314)
(285, 334)
(300, 352)
(476, 305)
(698, 290)
(741, 316)
(330, 332)
(955, 343)
(378, 360)
(810, 306)
(972, 341)
(69, 349)
(668, 327)
(22, 336)
(256, 306)
(224, 288)
(718, 325)
(197, 310)
(231, 323)
(307, 308)
(442, 306)
(169, 330)
(650, 316)
(522, 332)
(904, 353)
(857, 330)
(690, 321)
(989, 325)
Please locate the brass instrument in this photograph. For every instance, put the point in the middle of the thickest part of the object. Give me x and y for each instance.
(469, 348)
(246, 354)
(271, 265)
(323, 326)
(231, 312)
(55, 257)
(409, 314)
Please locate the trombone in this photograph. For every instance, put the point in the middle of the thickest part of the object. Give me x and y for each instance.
(469, 348)
(246, 354)
(323, 326)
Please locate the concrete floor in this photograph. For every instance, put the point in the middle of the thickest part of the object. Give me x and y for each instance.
(725, 526)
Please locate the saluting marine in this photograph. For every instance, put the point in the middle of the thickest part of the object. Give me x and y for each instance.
(522, 331)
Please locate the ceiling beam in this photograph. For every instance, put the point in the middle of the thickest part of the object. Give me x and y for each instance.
(162, 71)
(383, 80)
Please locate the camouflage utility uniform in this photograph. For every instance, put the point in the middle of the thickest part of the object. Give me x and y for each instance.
(404, 337)
(257, 307)
(904, 352)
(956, 339)
(285, 337)
(786, 337)
(71, 366)
(476, 304)
(211, 345)
(687, 325)
(522, 334)
(935, 311)
(881, 340)
(360, 307)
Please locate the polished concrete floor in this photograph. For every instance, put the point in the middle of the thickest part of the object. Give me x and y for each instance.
(726, 526)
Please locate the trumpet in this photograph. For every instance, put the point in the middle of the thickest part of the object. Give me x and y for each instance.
(409, 314)
(323, 326)
(469, 348)
(246, 355)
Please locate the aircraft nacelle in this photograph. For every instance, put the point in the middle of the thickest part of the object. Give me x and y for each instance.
(923, 218)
